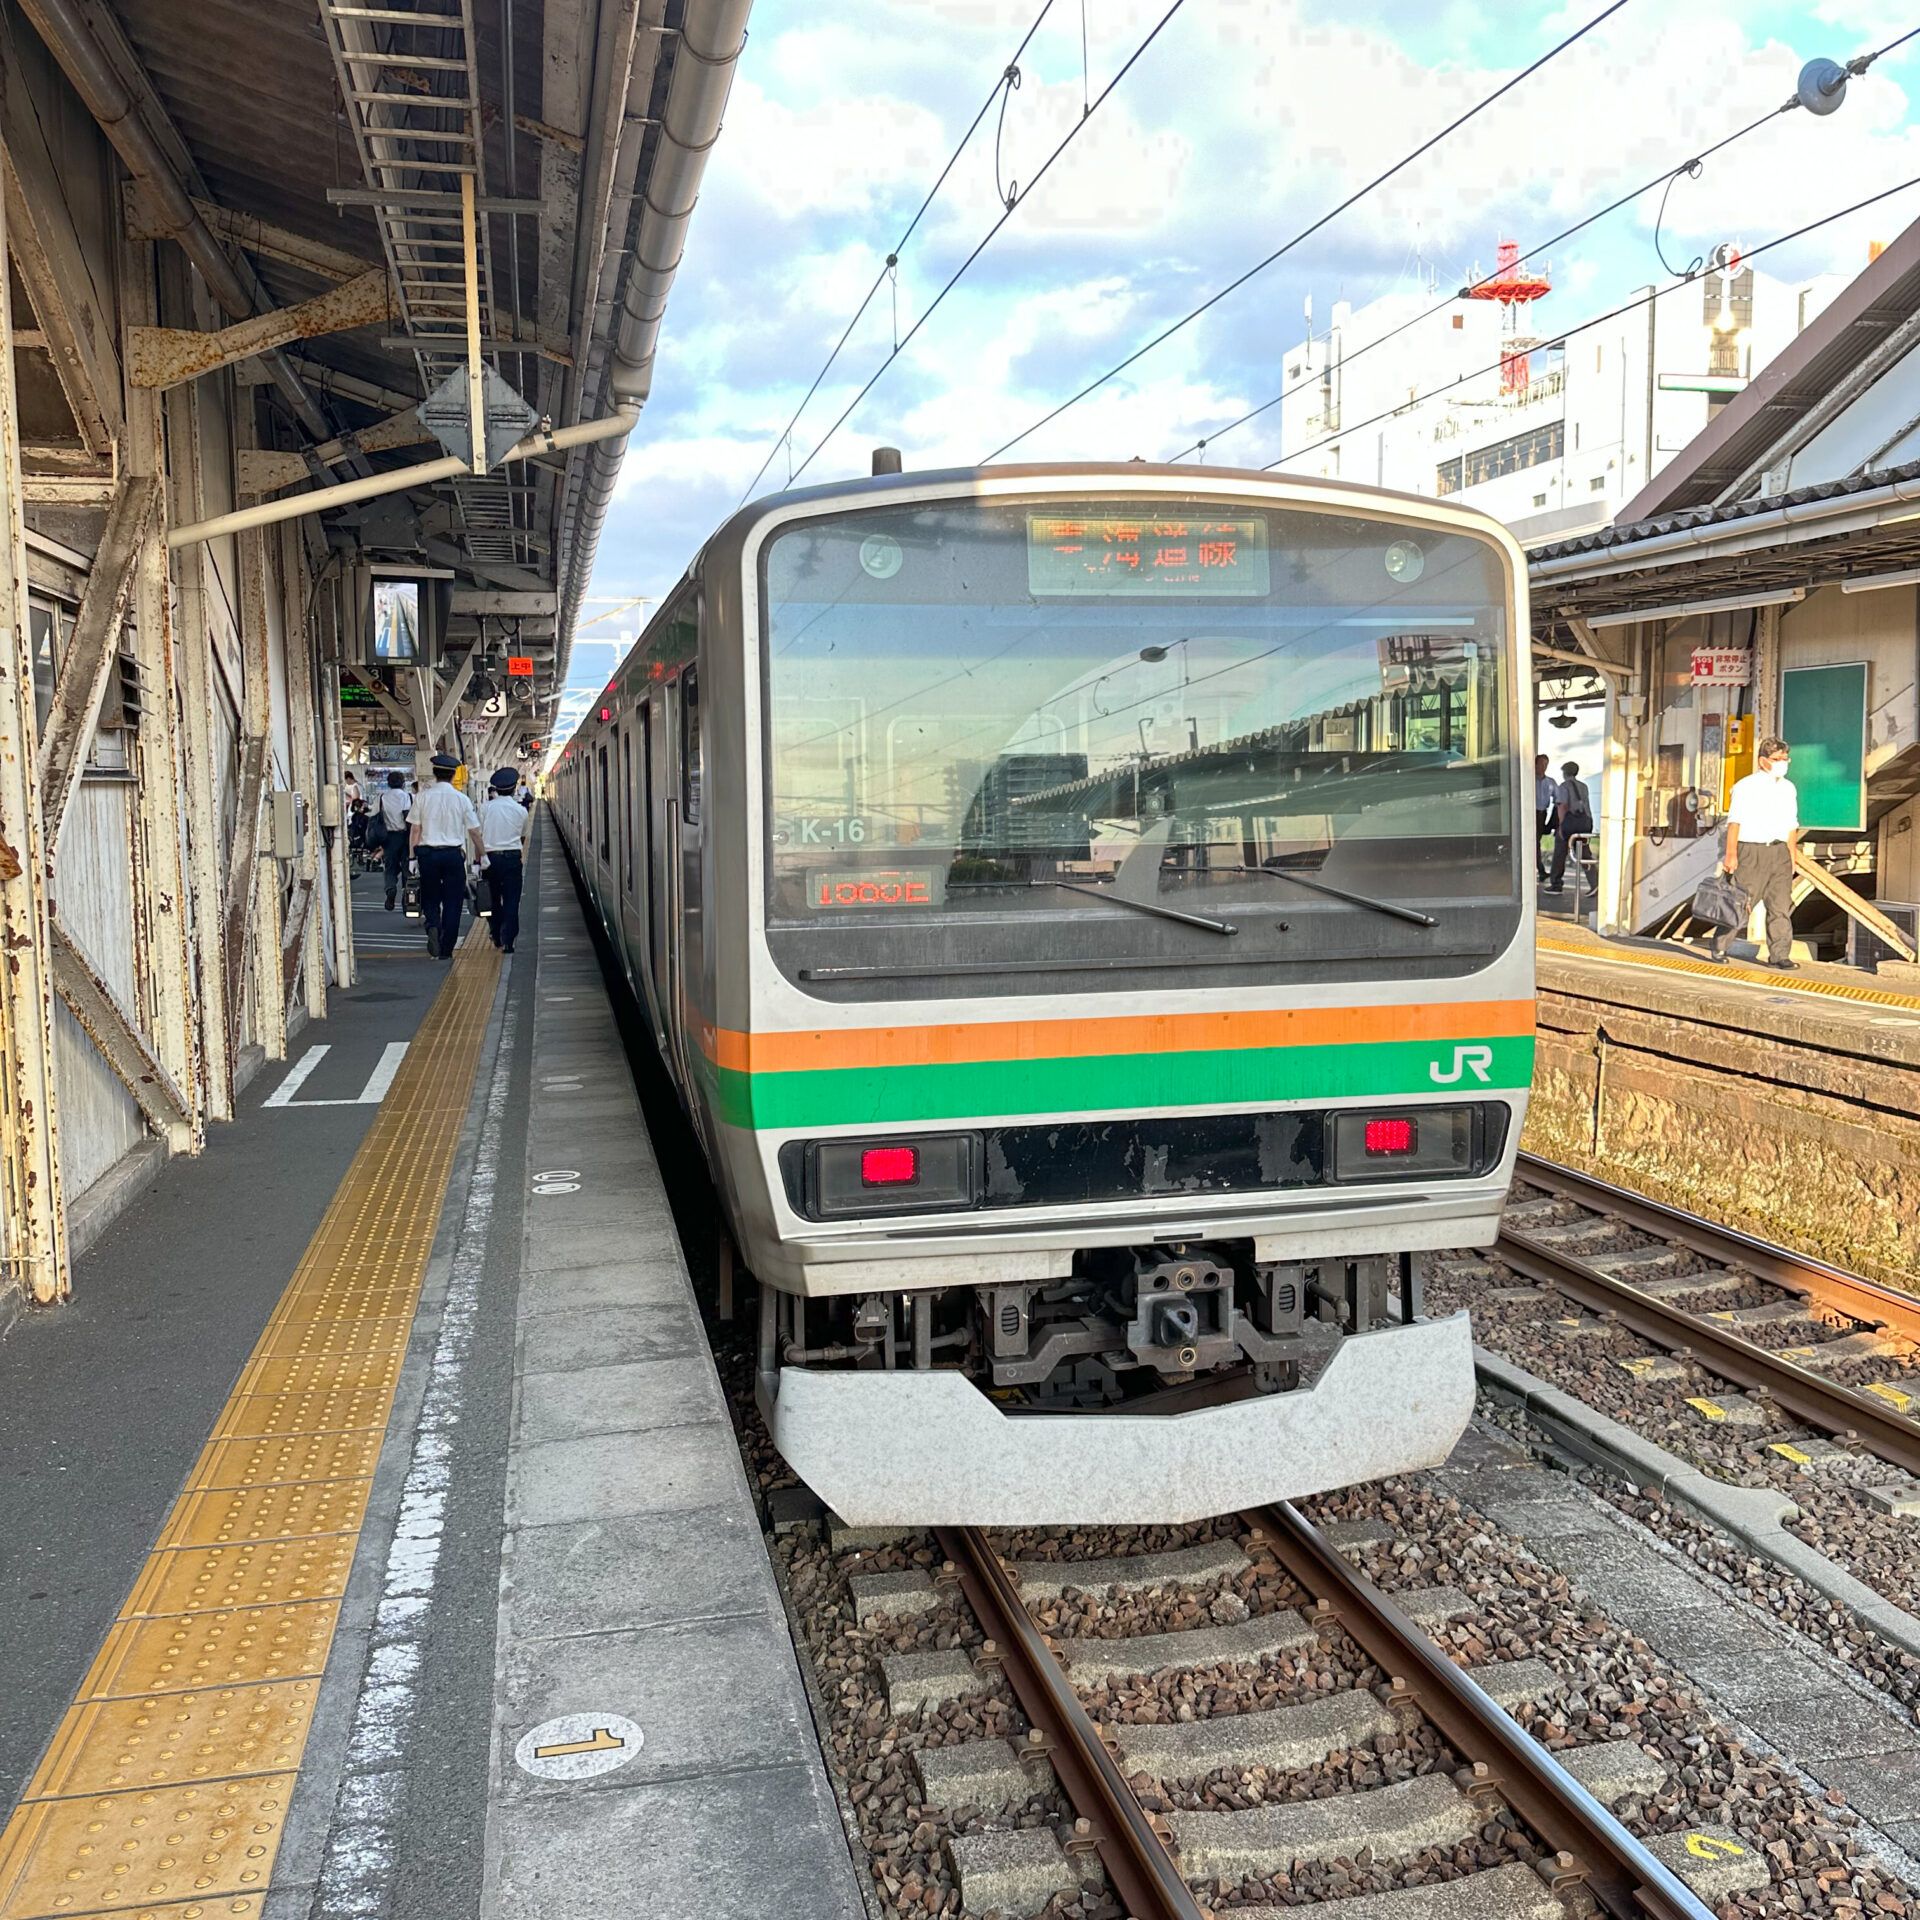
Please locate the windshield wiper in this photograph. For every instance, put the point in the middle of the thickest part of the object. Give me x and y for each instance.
(1337, 893)
(1100, 893)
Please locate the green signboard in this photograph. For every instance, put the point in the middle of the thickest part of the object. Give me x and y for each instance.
(1823, 718)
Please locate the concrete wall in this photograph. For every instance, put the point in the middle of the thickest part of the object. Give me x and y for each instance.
(1795, 1121)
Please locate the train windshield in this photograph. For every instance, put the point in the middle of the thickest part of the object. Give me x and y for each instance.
(1045, 734)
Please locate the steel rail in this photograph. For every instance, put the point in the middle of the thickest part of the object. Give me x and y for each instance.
(1810, 1398)
(1593, 1849)
(1144, 1873)
(1800, 1273)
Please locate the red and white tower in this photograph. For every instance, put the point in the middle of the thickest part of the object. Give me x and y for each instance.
(1516, 289)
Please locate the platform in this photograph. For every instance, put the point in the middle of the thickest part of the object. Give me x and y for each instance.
(440, 1459)
(1784, 1103)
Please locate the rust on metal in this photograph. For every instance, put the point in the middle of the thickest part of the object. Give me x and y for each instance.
(114, 1031)
(1626, 1880)
(160, 357)
(1144, 1873)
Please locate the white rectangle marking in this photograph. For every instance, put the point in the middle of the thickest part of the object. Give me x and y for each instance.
(382, 1077)
(282, 1095)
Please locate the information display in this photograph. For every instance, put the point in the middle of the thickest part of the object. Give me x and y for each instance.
(1148, 556)
(829, 891)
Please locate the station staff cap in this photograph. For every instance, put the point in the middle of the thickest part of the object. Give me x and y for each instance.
(445, 762)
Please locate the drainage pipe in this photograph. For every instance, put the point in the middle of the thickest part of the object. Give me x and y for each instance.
(424, 473)
(711, 38)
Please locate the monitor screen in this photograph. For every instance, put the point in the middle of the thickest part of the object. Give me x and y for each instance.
(396, 620)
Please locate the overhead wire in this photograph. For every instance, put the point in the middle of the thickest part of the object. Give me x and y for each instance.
(1307, 232)
(1856, 66)
(1007, 214)
(1597, 320)
(1003, 84)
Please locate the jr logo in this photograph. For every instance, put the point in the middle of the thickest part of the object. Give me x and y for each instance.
(1474, 1060)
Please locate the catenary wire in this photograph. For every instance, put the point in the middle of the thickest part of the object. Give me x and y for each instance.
(1855, 66)
(1597, 320)
(899, 246)
(1333, 213)
(986, 240)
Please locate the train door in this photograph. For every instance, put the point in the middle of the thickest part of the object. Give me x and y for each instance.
(654, 906)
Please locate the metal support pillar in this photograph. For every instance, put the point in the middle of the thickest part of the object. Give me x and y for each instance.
(339, 873)
(163, 944)
(31, 1202)
(1766, 675)
(199, 784)
(296, 626)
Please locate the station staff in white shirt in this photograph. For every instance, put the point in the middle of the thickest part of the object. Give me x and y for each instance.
(504, 826)
(391, 811)
(1763, 829)
(1543, 803)
(444, 828)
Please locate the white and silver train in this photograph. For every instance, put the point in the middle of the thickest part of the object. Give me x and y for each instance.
(1087, 914)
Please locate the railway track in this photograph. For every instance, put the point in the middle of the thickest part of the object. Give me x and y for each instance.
(1831, 1323)
(1588, 1860)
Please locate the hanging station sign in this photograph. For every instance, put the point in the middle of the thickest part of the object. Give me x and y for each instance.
(1722, 667)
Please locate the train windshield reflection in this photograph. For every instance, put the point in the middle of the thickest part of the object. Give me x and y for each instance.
(972, 702)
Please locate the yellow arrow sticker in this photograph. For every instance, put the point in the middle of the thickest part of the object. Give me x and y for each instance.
(1640, 1367)
(1892, 1395)
(1709, 1846)
(603, 1741)
(1709, 1409)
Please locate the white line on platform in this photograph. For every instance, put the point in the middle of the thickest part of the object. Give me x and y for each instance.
(282, 1095)
(378, 1082)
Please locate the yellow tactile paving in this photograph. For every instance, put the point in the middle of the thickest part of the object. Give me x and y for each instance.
(274, 1459)
(224, 1515)
(1731, 970)
(239, 1647)
(163, 1790)
(111, 1851)
(174, 1739)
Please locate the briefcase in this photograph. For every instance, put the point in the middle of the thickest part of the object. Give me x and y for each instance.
(1722, 902)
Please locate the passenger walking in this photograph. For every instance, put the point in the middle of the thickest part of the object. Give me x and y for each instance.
(1543, 804)
(504, 826)
(1763, 832)
(396, 803)
(444, 828)
(1572, 816)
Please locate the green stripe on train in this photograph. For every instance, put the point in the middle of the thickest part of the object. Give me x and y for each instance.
(1109, 1083)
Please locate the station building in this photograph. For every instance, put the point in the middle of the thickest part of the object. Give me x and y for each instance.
(1766, 580)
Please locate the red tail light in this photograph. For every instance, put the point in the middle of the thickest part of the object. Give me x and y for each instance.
(1390, 1136)
(889, 1166)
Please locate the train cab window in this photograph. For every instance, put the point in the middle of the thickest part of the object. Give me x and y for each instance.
(690, 746)
(606, 811)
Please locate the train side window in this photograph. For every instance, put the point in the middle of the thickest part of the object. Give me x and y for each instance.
(690, 746)
(646, 784)
(626, 810)
(606, 811)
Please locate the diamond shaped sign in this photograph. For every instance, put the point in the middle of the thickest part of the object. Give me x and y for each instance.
(446, 415)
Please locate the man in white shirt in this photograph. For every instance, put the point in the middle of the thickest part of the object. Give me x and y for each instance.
(443, 827)
(390, 815)
(1763, 830)
(504, 826)
(1572, 817)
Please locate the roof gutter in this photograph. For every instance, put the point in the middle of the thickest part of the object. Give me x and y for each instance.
(63, 26)
(1783, 526)
(712, 35)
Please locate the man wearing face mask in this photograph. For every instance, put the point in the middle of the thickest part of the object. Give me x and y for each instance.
(1763, 829)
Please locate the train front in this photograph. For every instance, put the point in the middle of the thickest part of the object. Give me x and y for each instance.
(1145, 983)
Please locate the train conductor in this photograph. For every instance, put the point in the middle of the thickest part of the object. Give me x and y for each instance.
(504, 826)
(445, 832)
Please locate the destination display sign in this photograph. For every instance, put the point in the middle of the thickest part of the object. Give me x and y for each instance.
(829, 891)
(1147, 556)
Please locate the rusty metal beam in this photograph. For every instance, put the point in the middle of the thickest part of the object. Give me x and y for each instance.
(48, 262)
(243, 872)
(255, 235)
(83, 490)
(111, 1028)
(293, 938)
(450, 700)
(32, 1209)
(90, 649)
(362, 677)
(162, 357)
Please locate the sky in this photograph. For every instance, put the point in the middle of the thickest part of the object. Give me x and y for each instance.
(1240, 125)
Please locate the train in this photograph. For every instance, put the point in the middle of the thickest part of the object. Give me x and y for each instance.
(1087, 914)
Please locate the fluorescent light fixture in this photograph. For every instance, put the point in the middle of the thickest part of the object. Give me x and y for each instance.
(1680, 609)
(1873, 582)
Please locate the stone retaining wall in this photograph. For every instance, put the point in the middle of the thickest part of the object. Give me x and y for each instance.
(1788, 1115)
